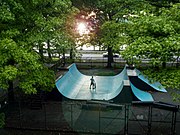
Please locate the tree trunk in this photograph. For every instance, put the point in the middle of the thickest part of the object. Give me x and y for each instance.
(48, 49)
(41, 52)
(177, 62)
(63, 59)
(110, 57)
(10, 92)
(164, 64)
(10, 85)
(71, 53)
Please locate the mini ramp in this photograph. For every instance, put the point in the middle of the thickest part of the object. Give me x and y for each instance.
(75, 85)
(156, 85)
(124, 87)
(141, 95)
(142, 88)
(142, 82)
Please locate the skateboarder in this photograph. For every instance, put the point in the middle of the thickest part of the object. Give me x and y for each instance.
(93, 83)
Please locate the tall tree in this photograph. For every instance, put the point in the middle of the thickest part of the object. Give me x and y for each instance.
(23, 26)
(109, 15)
(157, 39)
(114, 15)
(49, 24)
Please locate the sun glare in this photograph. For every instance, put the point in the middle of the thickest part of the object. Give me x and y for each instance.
(82, 28)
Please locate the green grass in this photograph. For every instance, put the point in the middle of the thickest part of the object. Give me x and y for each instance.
(106, 73)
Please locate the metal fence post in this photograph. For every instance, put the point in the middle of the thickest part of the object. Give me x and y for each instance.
(149, 120)
(99, 118)
(173, 123)
(71, 116)
(126, 119)
(20, 113)
(91, 62)
(45, 120)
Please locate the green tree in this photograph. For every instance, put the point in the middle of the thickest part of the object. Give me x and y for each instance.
(111, 38)
(157, 36)
(107, 11)
(2, 119)
(49, 19)
(114, 18)
(157, 39)
(111, 18)
(168, 77)
(24, 28)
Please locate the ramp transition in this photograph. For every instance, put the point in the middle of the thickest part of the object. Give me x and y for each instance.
(156, 85)
(141, 95)
(75, 85)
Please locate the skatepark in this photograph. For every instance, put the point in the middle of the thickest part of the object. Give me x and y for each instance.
(124, 103)
(75, 85)
(130, 96)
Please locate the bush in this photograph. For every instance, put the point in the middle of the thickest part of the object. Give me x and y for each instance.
(2, 120)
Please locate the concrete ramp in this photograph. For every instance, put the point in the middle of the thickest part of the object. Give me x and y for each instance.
(156, 85)
(141, 95)
(75, 85)
(119, 88)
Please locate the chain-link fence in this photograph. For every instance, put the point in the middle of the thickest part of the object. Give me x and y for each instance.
(82, 117)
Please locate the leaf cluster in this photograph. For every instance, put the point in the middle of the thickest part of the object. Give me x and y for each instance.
(168, 77)
(157, 36)
(24, 27)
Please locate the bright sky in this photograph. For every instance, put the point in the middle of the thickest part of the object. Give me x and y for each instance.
(82, 28)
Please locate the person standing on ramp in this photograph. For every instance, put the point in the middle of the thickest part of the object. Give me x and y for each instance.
(92, 84)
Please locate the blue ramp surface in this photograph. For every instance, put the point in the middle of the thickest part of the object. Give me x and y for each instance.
(141, 95)
(75, 85)
(156, 85)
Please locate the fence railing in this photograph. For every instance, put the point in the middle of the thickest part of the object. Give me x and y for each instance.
(83, 117)
(102, 62)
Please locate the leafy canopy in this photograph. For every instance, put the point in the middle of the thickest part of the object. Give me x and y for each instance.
(23, 27)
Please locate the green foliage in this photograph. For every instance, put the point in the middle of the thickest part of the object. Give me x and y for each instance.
(110, 31)
(2, 120)
(149, 28)
(168, 77)
(105, 73)
(114, 17)
(24, 29)
(6, 14)
(157, 36)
